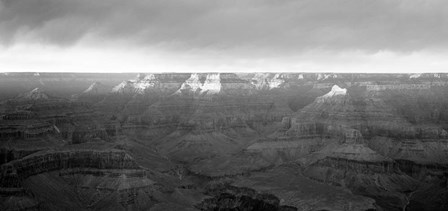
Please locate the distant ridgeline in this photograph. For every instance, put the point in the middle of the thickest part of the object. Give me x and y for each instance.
(397, 86)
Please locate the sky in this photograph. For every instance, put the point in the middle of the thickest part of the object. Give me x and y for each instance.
(403, 36)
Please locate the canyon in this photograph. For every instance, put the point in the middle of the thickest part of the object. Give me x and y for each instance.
(223, 141)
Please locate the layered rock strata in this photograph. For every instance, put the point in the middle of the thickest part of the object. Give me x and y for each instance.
(55, 160)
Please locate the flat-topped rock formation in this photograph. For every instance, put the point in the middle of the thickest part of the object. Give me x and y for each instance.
(263, 81)
(166, 83)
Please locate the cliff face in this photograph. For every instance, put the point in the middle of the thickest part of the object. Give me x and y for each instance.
(334, 114)
(231, 197)
(288, 184)
(167, 83)
(364, 171)
(359, 115)
(93, 189)
(96, 92)
(52, 118)
(78, 179)
(49, 161)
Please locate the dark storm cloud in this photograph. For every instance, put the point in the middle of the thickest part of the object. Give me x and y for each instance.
(277, 25)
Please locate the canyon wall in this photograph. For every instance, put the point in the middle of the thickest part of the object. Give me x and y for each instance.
(55, 160)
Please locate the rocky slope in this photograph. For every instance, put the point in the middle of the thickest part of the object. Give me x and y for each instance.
(364, 171)
(35, 94)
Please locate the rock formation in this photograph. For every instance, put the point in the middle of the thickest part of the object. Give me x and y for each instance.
(230, 197)
(35, 94)
(95, 89)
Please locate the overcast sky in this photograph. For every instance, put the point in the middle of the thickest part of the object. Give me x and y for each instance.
(224, 36)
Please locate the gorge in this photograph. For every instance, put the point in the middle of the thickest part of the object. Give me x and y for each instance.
(223, 141)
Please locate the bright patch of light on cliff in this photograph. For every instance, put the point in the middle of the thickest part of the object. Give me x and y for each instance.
(335, 91)
(211, 85)
(80, 58)
(267, 80)
(276, 81)
(134, 86)
(193, 83)
(121, 86)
